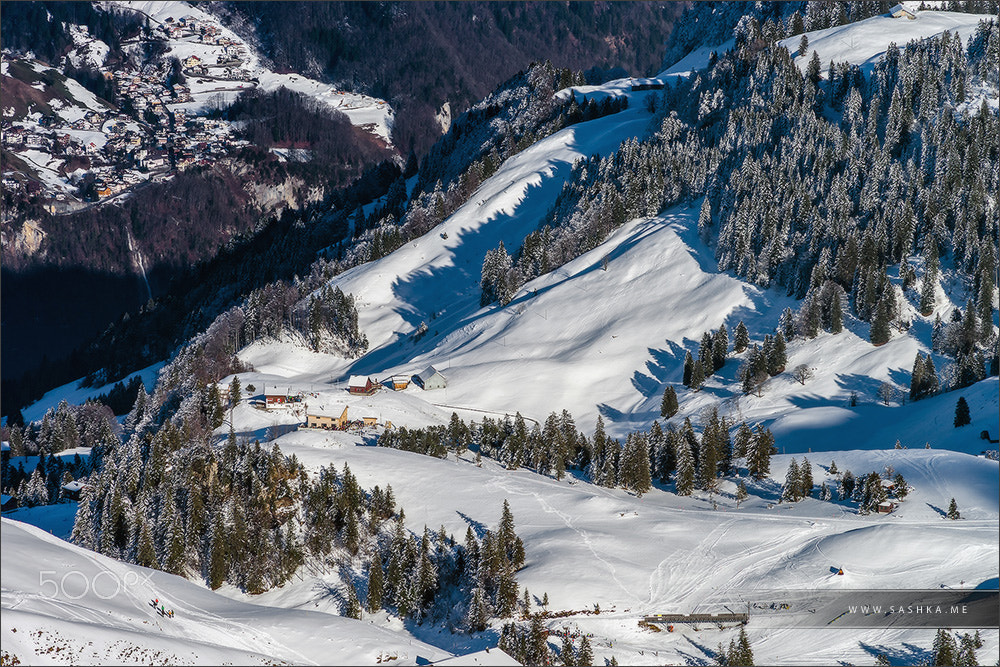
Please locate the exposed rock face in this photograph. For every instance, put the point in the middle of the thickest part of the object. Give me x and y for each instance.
(24, 242)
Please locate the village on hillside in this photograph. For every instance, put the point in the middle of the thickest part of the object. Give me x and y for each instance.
(77, 148)
(328, 415)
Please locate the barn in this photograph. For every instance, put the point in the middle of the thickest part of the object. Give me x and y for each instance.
(399, 382)
(73, 490)
(430, 378)
(361, 385)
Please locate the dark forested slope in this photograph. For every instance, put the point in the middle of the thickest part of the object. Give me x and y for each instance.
(420, 55)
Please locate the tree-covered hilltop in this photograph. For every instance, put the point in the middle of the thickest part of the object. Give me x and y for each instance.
(825, 186)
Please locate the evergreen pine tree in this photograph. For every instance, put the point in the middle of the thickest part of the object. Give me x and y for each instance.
(814, 68)
(146, 552)
(669, 406)
(962, 416)
(744, 654)
(929, 284)
(705, 354)
(880, 333)
(698, 375)
(478, 615)
(836, 313)
(585, 656)
(688, 369)
(759, 458)
(685, 468)
(917, 378)
(566, 652)
(353, 609)
(967, 652)
(953, 512)
(806, 478)
(376, 585)
(944, 648)
(741, 338)
(778, 357)
(793, 482)
(720, 347)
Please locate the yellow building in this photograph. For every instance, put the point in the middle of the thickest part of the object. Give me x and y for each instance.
(322, 419)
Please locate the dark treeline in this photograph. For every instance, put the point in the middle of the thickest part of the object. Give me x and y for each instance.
(419, 56)
(38, 27)
(287, 119)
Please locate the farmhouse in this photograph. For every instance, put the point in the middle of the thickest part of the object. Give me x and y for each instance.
(899, 11)
(430, 378)
(324, 419)
(361, 385)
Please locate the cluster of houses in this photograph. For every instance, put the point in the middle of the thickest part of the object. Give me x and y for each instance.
(427, 379)
(160, 137)
(157, 137)
(358, 385)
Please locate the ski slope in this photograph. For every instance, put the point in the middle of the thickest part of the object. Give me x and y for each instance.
(67, 605)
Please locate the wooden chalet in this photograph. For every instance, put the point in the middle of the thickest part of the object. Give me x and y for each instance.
(361, 385)
(370, 421)
(886, 507)
(326, 420)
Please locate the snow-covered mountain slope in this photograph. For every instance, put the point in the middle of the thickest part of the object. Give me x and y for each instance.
(67, 605)
(608, 340)
(663, 553)
(865, 42)
(367, 112)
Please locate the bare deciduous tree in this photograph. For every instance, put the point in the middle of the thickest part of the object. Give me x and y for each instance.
(802, 373)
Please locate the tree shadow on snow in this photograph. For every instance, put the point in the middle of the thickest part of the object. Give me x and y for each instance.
(666, 365)
(908, 654)
(478, 527)
(937, 509)
(708, 655)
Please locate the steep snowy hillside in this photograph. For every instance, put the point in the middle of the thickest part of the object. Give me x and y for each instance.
(67, 605)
